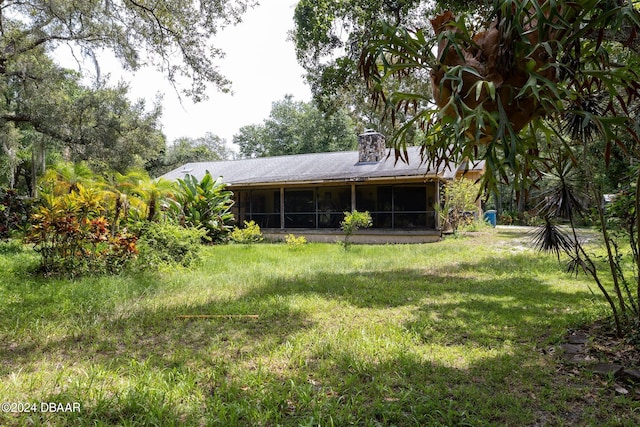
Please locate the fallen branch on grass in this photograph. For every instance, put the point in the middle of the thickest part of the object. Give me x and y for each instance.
(216, 316)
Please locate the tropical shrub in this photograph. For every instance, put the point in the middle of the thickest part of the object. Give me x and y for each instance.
(126, 197)
(168, 244)
(73, 238)
(352, 222)
(616, 272)
(14, 212)
(205, 204)
(247, 235)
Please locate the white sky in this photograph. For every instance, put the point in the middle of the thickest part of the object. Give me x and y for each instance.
(259, 61)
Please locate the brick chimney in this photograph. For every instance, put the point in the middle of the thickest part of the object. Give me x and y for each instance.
(371, 148)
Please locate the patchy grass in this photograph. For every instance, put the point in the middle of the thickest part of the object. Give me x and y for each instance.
(453, 333)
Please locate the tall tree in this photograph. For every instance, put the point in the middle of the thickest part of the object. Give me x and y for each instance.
(534, 73)
(209, 147)
(330, 34)
(534, 69)
(53, 110)
(329, 39)
(295, 127)
(110, 132)
(171, 35)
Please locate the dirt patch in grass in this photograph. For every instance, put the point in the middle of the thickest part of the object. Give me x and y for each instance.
(611, 363)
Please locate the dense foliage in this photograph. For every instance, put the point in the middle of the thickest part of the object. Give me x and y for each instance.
(14, 212)
(205, 204)
(329, 36)
(49, 112)
(164, 243)
(296, 127)
(86, 223)
(72, 236)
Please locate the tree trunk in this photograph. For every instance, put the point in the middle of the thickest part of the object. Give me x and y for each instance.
(38, 165)
(11, 155)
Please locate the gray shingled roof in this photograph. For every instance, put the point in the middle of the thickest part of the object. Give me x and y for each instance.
(336, 166)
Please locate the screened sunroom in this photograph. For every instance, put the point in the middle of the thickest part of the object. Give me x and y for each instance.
(392, 206)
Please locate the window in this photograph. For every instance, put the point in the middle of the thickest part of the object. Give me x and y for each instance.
(299, 209)
(333, 202)
(261, 206)
(398, 206)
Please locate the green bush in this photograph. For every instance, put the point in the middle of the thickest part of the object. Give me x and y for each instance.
(352, 222)
(459, 201)
(14, 212)
(247, 235)
(294, 241)
(205, 204)
(168, 244)
(73, 238)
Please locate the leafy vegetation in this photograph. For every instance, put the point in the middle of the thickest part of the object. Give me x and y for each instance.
(14, 212)
(564, 200)
(353, 221)
(460, 203)
(83, 223)
(51, 113)
(462, 332)
(248, 234)
(295, 242)
(296, 127)
(205, 204)
(163, 243)
(72, 237)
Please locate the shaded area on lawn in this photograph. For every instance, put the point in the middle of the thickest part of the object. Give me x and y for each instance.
(433, 345)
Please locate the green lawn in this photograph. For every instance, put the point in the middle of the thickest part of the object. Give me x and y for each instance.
(459, 332)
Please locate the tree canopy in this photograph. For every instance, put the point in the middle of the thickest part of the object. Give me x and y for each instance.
(329, 38)
(295, 127)
(185, 150)
(171, 35)
(59, 115)
(502, 73)
(44, 106)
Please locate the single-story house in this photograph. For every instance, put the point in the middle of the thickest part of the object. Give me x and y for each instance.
(307, 194)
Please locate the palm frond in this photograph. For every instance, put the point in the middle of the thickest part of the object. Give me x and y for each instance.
(550, 238)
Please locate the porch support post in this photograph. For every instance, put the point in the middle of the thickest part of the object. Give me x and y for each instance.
(353, 197)
(282, 208)
(426, 206)
(437, 184)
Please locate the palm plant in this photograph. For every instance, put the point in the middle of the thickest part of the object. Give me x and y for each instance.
(560, 75)
(158, 194)
(205, 204)
(64, 177)
(122, 192)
